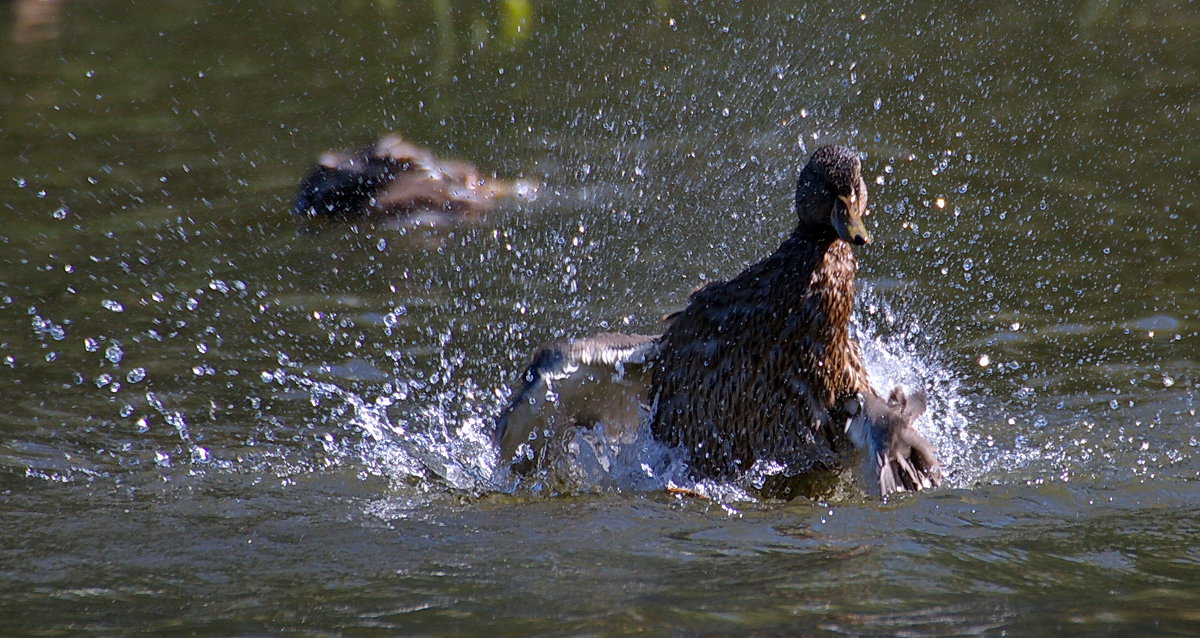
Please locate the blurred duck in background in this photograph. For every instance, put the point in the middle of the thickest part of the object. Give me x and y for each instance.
(397, 178)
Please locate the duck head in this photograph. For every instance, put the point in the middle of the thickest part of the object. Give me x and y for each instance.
(831, 197)
(341, 184)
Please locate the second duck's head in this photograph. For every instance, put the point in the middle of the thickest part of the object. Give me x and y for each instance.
(343, 183)
(831, 197)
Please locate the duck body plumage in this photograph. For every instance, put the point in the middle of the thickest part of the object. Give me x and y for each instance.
(754, 367)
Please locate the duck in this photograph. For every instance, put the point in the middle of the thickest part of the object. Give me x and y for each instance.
(758, 369)
(396, 177)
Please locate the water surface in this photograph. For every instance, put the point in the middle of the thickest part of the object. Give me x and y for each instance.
(219, 420)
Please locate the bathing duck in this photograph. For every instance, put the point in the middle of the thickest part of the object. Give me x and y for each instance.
(396, 177)
(759, 368)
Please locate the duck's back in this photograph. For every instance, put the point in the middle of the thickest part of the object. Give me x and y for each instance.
(752, 368)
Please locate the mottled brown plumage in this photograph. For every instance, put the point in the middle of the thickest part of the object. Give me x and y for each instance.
(754, 367)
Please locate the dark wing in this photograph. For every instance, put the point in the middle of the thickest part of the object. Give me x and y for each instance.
(696, 293)
(597, 379)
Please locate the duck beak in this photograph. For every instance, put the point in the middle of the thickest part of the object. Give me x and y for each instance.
(847, 221)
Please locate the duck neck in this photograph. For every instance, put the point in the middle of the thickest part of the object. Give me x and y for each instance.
(826, 270)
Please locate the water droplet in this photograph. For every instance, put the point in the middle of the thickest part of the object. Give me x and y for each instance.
(1167, 381)
(114, 353)
(113, 305)
(985, 361)
(878, 104)
(135, 375)
(162, 459)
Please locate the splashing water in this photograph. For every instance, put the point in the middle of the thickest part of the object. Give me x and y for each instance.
(429, 445)
(447, 440)
(904, 352)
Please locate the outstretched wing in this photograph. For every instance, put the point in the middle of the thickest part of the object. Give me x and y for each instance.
(584, 381)
(898, 458)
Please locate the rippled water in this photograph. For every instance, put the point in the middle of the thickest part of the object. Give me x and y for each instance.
(219, 420)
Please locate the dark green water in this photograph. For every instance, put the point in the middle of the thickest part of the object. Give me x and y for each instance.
(217, 421)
